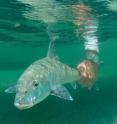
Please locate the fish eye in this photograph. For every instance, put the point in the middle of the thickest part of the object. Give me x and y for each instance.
(35, 83)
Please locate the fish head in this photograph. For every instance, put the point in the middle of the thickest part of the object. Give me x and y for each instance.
(31, 90)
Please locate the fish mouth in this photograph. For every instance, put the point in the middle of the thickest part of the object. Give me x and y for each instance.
(24, 102)
(22, 106)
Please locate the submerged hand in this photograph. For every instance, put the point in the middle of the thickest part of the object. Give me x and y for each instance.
(87, 71)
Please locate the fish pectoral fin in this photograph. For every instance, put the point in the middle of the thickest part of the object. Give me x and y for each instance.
(11, 89)
(62, 92)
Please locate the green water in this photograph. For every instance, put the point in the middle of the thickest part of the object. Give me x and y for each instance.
(24, 40)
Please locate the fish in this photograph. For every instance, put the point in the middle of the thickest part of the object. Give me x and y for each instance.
(42, 78)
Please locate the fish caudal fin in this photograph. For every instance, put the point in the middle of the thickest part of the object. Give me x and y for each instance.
(62, 92)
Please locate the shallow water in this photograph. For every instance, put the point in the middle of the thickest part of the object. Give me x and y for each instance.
(24, 39)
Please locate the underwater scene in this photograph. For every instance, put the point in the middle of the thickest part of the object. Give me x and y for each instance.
(58, 62)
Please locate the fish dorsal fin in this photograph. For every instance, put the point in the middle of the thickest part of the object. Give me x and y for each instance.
(62, 92)
(51, 50)
(11, 89)
(51, 47)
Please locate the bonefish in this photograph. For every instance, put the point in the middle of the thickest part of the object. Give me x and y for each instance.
(43, 78)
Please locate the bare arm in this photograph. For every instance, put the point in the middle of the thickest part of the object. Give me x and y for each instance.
(87, 27)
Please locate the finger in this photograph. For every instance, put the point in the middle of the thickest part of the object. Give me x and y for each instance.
(85, 82)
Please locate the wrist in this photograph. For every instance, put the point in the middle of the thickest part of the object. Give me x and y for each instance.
(92, 56)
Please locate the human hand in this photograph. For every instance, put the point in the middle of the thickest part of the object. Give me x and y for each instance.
(87, 71)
